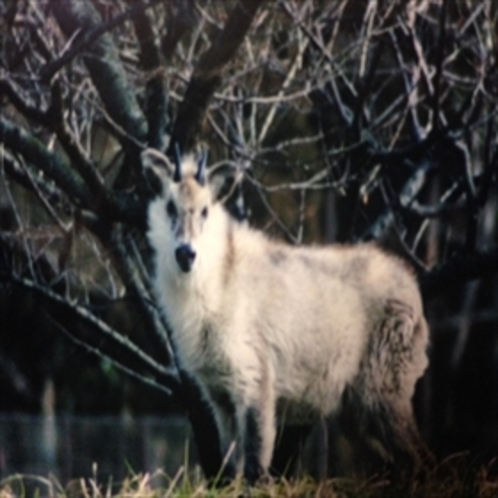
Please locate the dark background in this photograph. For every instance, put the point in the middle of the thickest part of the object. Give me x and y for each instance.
(351, 121)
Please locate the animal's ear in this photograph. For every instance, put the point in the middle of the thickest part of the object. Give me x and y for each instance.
(157, 168)
(222, 179)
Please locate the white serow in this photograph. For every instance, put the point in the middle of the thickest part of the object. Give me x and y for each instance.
(280, 334)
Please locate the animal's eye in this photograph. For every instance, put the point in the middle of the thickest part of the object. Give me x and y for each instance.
(171, 209)
(204, 212)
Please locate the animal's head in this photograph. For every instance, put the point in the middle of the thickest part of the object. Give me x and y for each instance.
(182, 210)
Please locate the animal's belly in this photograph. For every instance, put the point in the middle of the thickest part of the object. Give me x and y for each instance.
(295, 413)
(309, 391)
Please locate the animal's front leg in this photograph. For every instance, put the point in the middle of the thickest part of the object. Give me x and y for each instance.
(225, 415)
(257, 434)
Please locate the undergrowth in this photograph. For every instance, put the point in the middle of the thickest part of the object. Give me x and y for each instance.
(454, 478)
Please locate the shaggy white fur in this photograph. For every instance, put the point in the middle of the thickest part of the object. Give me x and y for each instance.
(273, 332)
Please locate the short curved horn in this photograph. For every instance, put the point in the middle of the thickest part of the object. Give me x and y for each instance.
(200, 176)
(177, 175)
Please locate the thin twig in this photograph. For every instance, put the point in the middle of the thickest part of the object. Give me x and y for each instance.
(81, 40)
(119, 365)
(87, 317)
(439, 65)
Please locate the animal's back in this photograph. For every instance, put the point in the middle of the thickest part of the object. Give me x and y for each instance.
(320, 310)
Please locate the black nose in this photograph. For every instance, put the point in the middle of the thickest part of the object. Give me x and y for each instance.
(185, 257)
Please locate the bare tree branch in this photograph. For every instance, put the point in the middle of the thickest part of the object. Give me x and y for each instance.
(155, 92)
(144, 379)
(87, 317)
(71, 145)
(104, 66)
(132, 279)
(20, 141)
(83, 40)
(207, 74)
(439, 66)
(182, 18)
(19, 102)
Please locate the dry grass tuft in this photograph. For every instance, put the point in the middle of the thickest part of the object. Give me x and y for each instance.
(454, 478)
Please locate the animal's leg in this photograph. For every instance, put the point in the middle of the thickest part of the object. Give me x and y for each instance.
(288, 445)
(205, 426)
(257, 430)
(399, 436)
(385, 436)
(380, 401)
(247, 432)
(409, 455)
(255, 418)
(225, 416)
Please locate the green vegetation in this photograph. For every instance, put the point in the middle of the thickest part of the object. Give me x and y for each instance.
(453, 478)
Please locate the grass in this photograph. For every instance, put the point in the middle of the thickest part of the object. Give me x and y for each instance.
(454, 478)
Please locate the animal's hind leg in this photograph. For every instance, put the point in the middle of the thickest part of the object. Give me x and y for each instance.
(382, 394)
(289, 444)
(396, 429)
(385, 436)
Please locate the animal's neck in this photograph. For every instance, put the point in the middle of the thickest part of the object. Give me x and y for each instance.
(193, 299)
